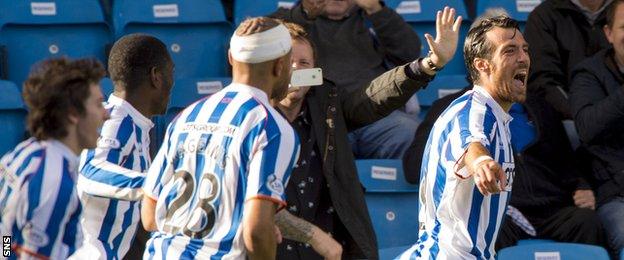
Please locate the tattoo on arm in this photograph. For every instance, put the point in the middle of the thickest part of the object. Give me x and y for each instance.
(294, 228)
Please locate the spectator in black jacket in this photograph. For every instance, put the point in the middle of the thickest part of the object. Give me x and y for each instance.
(561, 33)
(351, 56)
(597, 99)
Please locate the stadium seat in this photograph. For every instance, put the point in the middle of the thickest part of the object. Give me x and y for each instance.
(184, 93)
(534, 241)
(253, 8)
(441, 86)
(392, 202)
(517, 9)
(421, 15)
(196, 32)
(12, 116)
(34, 30)
(107, 87)
(622, 255)
(392, 252)
(562, 251)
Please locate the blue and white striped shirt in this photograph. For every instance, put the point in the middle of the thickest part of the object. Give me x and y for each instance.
(217, 154)
(457, 221)
(39, 204)
(111, 177)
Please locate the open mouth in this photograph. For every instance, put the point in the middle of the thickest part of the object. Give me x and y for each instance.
(520, 78)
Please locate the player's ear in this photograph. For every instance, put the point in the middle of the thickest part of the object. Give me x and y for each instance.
(482, 65)
(156, 77)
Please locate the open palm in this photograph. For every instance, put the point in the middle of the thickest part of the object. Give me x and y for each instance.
(447, 32)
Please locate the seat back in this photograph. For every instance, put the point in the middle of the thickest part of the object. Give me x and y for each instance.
(392, 202)
(441, 86)
(34, 30)
(196, 32)
(12, 116)
(553, 251)
(252, 8)
(517, 9)
(421, 15)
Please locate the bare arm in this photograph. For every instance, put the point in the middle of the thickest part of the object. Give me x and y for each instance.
(148, 211)
(299, 230)
(258, 229)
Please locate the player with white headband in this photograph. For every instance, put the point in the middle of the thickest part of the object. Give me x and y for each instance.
(218, 180)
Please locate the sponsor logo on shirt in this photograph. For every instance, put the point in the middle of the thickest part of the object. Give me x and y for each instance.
(108, 142)
(275, 184)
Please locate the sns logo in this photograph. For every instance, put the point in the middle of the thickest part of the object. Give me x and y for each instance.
(6, 246)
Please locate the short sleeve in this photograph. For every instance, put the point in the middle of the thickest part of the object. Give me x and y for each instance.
(161, 168)
(476, 124)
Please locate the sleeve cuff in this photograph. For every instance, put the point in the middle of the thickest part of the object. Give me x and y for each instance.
(414, 72)
(280, 203)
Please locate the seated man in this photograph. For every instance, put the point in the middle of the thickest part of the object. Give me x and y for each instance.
(597, 98)
(352, 57)
(561, 34)
(324, 194)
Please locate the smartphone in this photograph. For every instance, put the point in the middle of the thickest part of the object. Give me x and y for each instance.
(306, 77)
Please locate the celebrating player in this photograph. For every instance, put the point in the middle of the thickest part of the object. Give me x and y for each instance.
(468, 169)
(40, 206)
(111, 176)
(219, 178)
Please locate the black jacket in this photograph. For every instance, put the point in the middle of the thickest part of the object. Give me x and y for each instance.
(545, 178)
(560, 37)
(597, 99)
(334, 114)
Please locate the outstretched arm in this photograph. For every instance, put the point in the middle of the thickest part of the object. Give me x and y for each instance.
(299, 230)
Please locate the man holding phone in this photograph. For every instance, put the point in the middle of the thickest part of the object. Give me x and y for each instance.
(324, 194)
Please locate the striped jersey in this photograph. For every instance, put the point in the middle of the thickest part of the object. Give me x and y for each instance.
(38, 199)
(111, 177)
(456, 220)
(217, 153)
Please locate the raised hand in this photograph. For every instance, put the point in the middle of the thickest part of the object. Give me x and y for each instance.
(444, 45)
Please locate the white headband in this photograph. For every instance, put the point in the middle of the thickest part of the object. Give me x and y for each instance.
(261, 47)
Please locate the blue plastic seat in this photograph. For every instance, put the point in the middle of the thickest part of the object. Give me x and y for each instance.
(392, 252)
(12, 116)
(421, 15)
(534, 241)
(392, 202)
(196, 32)
(34, 30)
(184, 93)
(252, 8)
(106, 84)
(517, 9)
(441, 86)
(564, 251)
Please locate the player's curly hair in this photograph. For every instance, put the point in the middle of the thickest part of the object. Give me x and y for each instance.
(54, 89)
(298, 33)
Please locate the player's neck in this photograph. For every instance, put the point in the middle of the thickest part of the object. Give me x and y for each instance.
(71, 141)
(491, 89)
(260, 82)
(138, 102)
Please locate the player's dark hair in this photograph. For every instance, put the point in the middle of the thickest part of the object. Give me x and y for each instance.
(611, 12)
(54, 89)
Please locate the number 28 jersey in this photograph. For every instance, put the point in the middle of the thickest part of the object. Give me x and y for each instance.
(217, 154)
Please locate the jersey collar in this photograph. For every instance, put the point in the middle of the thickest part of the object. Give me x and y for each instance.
(138, 118)
(498, 110)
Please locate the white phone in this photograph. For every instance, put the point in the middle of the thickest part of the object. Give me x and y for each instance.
(306, 77)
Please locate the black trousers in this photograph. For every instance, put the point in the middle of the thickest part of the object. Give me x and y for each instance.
(570, 224)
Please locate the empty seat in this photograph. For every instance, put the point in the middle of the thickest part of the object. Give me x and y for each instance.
(421, 15)
(253, 8)
(12, 116)
(392, 202)
(196, 32)
(553, 251)
(441, 86)
(107, 87)
(184, 93)
(34, 30)
(517, 9)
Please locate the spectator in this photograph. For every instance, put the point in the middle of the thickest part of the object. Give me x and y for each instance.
(562, 33)
(324, 194)
(352, 57)
(597, 99)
